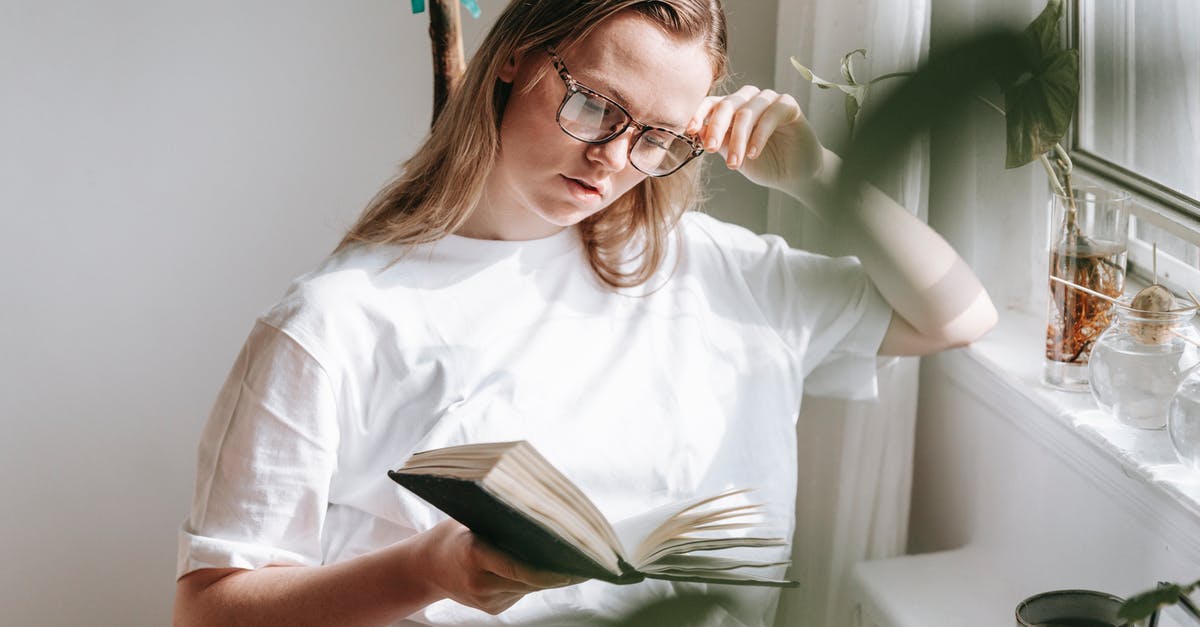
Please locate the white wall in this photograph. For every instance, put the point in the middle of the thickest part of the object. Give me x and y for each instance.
(165, 169)
(1010, 499)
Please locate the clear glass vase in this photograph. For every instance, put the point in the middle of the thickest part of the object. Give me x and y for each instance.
(1138, 363)
(1089, 235)
(1183, 421)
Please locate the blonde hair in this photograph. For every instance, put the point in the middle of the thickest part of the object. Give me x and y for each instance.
(442, 183)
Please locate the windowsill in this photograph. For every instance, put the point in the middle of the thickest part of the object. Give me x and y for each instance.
(980, 583)
(1011, 355)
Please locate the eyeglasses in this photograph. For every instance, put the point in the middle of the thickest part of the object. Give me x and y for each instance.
(594, 118)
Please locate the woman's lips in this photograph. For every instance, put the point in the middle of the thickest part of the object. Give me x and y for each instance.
(582, 190)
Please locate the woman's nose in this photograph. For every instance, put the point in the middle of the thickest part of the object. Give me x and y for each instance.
(613, 154)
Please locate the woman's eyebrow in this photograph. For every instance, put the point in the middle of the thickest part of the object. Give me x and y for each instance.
(615, 93)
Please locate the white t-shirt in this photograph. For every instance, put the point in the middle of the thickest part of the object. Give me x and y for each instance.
(686, 386)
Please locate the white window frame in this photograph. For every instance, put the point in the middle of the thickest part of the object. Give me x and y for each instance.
(1152, 202)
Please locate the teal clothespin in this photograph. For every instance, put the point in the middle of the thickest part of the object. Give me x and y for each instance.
(418, 6)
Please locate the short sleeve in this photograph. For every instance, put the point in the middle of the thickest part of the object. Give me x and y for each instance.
(265, 460)
(842, 354)
(826, 309)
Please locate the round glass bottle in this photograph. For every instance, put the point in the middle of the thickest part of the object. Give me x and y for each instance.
(1183, 421)
(1139, 362)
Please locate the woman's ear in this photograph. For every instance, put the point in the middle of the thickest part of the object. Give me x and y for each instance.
(508, 71)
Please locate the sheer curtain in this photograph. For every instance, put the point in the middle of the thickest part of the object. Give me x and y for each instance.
(855, 458)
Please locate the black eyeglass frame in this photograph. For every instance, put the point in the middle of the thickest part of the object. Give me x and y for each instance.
(574, 87)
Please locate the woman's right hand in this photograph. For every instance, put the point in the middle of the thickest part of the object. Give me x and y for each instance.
(463, 567)
(764, 135)
(378, 587)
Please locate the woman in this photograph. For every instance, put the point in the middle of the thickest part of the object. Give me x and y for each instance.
(533, 275)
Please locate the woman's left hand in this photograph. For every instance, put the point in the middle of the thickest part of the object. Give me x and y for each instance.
(761, 133)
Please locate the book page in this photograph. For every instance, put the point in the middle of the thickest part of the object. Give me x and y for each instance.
(529, 491)
(702, 523)
(696, 563)
(465, 461)
(633, 530)
(515, 474)
(568, 494)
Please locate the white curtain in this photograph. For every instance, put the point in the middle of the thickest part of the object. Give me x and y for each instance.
(855, 458)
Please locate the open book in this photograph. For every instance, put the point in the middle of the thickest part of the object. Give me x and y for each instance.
(508, 494)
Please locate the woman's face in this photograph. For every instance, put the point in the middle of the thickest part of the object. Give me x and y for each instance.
(544, 179)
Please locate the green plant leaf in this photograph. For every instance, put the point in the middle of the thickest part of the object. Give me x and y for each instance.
(1039, 108)
(853, 106)
(848, 64)
(1141, 605)
(1041, 88)
(854, 92)
(812, 78)
(1042, 38)
(857, 92)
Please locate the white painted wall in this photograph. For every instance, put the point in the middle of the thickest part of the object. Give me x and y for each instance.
(1011, 499)
(165, 169)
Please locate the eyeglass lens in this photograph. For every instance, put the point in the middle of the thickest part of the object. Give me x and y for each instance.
(592, 118)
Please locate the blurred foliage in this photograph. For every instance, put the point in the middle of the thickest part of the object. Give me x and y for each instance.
(689, 609)
(939, 92)
(1037, 73)
(1142, 605)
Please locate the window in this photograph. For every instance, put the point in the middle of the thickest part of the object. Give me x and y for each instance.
(1138, 124)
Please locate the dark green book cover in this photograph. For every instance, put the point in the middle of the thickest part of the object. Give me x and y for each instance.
(506, 528)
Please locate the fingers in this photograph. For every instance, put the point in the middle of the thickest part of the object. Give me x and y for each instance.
(719, 116)
(522, 578)
(740, 124)
(746, 121)
(782, 110)
(470, 571)
(501, 581)
(493, 593)
(486, 592)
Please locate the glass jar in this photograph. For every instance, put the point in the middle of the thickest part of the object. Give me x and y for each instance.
(1088, 247)
(1138, 363)
(1183, 421)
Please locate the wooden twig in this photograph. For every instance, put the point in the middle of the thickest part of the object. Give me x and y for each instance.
(1087, 291)
(1118, 303)
(1185, 338)
(1154, 261)
(445, 35)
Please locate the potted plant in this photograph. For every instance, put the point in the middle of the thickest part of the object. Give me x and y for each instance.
(1039, 77)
